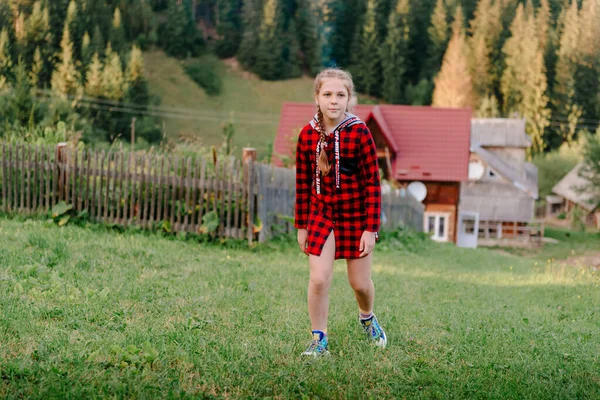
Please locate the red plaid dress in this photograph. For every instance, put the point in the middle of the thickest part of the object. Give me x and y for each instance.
(352, 208)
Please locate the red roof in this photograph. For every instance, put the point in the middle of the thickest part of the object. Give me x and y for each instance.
(429, 144)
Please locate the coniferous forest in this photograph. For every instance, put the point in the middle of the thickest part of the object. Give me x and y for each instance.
(71, 60)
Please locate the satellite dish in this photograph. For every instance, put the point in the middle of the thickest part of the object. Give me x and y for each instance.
(476, 170)
(418, 190)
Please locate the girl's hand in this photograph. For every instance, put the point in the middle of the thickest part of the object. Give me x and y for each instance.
(302, 236)
(367, 243)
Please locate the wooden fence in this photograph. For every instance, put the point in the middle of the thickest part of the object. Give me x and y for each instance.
(180, 194)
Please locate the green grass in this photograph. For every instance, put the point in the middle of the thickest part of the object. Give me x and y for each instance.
(90, 313)
(253, 104)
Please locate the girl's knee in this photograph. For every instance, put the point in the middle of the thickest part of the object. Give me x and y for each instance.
(360, 285)
(320, 282)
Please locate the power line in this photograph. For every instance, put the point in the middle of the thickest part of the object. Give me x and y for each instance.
(177, 110)
(162, 114)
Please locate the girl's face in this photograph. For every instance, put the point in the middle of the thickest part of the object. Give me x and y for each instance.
(333, 99)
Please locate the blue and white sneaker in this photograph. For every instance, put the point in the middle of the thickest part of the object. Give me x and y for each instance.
(374, 331)
(318, 346)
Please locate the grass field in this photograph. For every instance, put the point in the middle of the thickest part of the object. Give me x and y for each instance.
(93, 313)
(255, 105)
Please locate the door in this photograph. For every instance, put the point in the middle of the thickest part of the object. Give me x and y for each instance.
(468, 229)
(436, 224)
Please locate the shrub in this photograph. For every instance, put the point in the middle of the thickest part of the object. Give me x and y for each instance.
(206, 76)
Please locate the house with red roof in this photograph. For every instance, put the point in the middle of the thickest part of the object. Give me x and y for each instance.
(414, 144)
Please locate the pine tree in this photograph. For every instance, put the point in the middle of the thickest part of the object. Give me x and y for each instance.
(36, 68)
(251, 12)
(453, 86)
(37, 32)
(366, 65)
(113, 82)
(97, 44)
(5, 59)
(138, 91)
(587, 73)
(93, 76)
(117, 33)
(21, 102)
(86, 49)
(524, 81)
(179, 36)
(394, 53)
(439, 34)
(543, 20)
(229, 29)
(291, 52)
(65, 78)
(269, 62)
(569, 55)
(308, 37)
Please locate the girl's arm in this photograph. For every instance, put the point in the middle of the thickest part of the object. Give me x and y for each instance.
(303, 184)
(370, 171)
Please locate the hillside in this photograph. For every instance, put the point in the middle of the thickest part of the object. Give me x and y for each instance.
(253, 103)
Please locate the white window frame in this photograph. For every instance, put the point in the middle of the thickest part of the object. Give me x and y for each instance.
(437, 216)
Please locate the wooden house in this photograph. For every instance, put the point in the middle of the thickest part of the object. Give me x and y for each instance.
(502, 186)
(414, 144)
(571, 194)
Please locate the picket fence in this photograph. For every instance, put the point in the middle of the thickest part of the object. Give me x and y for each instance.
(224, 198)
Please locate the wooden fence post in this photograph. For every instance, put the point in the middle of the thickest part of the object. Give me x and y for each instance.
(248, 158)
(60, 160)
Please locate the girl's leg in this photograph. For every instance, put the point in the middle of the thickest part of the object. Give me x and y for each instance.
(321, 273)
(359, 276)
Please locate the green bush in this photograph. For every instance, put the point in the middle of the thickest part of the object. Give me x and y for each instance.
(552, 167)
(206, 76)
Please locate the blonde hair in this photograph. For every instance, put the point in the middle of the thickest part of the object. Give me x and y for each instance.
(323, 161)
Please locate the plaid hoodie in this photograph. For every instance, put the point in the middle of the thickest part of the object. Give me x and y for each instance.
(350, 192)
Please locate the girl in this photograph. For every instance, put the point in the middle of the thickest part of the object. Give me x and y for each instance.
(338, 203)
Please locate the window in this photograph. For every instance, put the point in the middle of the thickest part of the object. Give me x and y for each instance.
(437, 224)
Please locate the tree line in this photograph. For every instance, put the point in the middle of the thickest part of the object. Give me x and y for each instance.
(538, 60)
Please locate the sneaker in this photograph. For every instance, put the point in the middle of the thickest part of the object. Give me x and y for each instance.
(318, 346)
(374, 331)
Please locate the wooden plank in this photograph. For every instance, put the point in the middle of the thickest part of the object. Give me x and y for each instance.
(48, 176)
(148, 184)
(94, 184)
(133, 166)
(27, 166)
(67, 174)
(35, 179)
(250, 190)
(74, 193)
(202, 183)
(122, 195)
(229, 216)
(111, 186)
(181, 195)
(86, 193)
(126, 189)
(173, 207)
(4, 178)
(139, 205)
(100, 176)
(106, 175)
(10, 174)
(237, 197)
(160, 188)
(222, 196)
(193, 221)
(188, 189)
(166, 182)
(22, 182)
(153, 193)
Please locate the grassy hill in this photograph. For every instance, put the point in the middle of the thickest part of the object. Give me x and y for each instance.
(253, 104)
(90, 313)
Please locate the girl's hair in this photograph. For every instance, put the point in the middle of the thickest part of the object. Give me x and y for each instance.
(345, 76)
